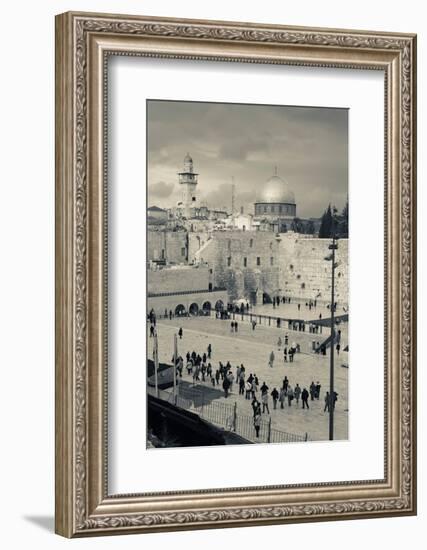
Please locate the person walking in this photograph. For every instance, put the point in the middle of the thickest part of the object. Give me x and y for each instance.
(256, 406)
(285, 355)
(318, 386)
(304, 398)
(257, 424)
(297, 393)
(290, 394)
(338, 347)
(312, 390)
(264, 400)
(180, 333)
(209, 351)
(279, 343)
(217, 376)
(253, 325)
(285, 384)
(226, 386)
(242, 383)
(236, 326)
(271, 359)
(282, 397)
(275, 396)
(248, 389)
(334, 399)
(230, 378)
(327, 402)
(286, 340)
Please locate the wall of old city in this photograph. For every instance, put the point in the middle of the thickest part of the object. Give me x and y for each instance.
(178, 279)
(167, 245)
(306, 274)
(188, 303)
(241, 261)
(288, 264)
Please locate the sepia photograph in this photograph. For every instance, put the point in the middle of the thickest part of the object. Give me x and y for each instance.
(247, 240)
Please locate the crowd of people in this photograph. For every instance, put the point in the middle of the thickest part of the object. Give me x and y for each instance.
(264, 399)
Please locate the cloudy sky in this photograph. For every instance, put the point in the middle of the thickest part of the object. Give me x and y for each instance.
(308, 145)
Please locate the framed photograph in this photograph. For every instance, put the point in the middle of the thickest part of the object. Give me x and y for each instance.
(235, 274)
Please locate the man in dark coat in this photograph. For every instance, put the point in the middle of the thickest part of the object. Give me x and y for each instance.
(304, 398)
(275, 396)
(226, 385)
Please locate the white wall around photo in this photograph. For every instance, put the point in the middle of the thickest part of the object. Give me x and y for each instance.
(27, 274)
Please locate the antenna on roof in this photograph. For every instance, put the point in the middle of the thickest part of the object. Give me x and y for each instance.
(233, 197)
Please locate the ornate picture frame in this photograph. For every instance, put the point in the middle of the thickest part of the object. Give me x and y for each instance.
(83, 44)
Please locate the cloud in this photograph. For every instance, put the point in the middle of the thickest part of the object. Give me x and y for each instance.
(308, 145)
(161, 189)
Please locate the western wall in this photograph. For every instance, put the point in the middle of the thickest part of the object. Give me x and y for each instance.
(251, 264)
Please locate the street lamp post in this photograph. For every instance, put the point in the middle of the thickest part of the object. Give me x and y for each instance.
(332, 247)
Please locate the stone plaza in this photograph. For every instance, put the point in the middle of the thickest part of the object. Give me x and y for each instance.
(252, 349)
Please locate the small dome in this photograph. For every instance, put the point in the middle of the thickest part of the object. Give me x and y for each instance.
(277, 191)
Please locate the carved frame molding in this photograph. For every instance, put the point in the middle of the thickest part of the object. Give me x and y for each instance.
(83, 43)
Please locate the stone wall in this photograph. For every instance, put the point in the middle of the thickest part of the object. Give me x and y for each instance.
(170, 246)
(290, 264)
(241, 261)
(191, 303)
(306, 274)
(178, 279)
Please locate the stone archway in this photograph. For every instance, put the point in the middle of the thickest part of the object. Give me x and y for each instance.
(180, 310)
(207, 306)
(266, 298)
(219, 306)
(193, 309)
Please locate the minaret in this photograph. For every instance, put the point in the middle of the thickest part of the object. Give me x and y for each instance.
(188, 181)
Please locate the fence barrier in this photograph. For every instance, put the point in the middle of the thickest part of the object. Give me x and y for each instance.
(227, 417)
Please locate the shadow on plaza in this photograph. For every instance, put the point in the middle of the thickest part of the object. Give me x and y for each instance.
(197, 394)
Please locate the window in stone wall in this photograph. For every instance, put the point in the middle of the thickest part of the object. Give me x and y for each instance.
(229, 261)
(258, 261)
(245, 262)
(163, 253)
(251, 243)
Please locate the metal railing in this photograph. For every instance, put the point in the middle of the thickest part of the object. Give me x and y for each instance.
(227, 417)
(185, 292)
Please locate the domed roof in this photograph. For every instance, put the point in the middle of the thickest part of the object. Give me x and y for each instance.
(275, 190)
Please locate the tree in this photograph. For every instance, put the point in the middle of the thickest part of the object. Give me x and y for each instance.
(344, 221)
(297, 225)
(310, 227)
(326, 224)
